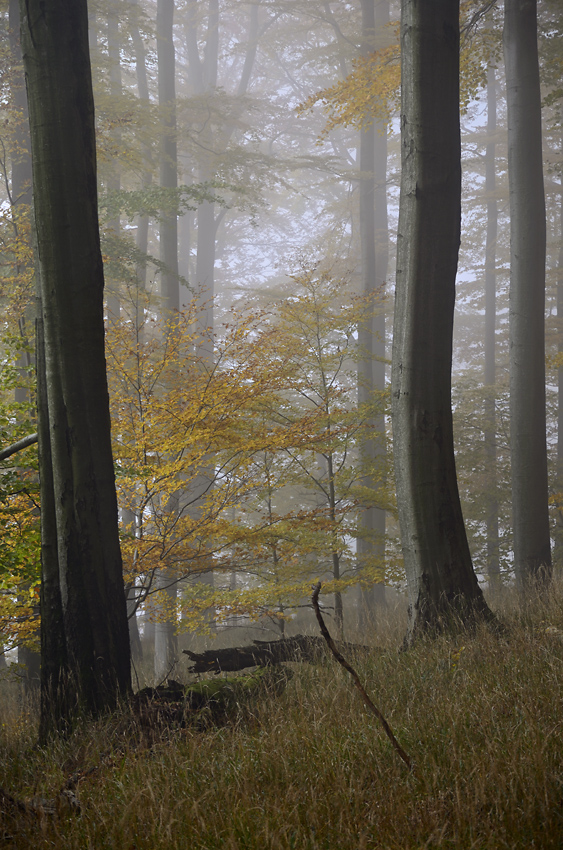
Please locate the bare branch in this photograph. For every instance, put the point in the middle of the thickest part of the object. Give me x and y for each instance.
(341, 660)
(18, 447)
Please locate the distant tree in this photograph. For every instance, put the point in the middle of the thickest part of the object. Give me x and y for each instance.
(440, 576)
(84, 635)
(374, 247)
(490, 436)
(532, 545)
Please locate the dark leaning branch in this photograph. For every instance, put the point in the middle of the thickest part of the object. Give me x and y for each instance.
(355, 678)
(19, 446)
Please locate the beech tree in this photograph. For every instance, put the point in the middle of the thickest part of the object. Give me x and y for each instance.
(84, 635)
(532, 546)
(374, 246)
(440, 575)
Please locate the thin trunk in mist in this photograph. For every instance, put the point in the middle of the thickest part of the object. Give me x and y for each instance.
(374, 239)
(203, 75)
(130, 518)
(114, 178)
(203, 78)
(166, 642)
(558, 550)
(532, 548)
(84, 632)
(440, 577)
(168, 152)
(142, 238)
(491, 509)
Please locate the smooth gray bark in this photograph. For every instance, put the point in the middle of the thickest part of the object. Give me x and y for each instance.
(85, 640)
(441, 581)
(532, 547)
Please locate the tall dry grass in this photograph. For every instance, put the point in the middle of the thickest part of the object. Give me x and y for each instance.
(481, 716)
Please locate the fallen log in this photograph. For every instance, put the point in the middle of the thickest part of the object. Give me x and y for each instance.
(263, 653)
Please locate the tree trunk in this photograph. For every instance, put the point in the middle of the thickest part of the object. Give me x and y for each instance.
(558, 550)
(374, 239)
(165, 649)
(168, 151)
(532, 548)
(441, 581)
(114, 178)
(491, 509)
(84, 637)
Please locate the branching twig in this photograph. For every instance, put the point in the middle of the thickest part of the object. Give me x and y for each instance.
(341, 660)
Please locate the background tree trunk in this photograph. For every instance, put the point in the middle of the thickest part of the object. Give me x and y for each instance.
(437, 559)
(374, 238)
(493, 564)
(532, 548)
(558, 549)
(165, 639)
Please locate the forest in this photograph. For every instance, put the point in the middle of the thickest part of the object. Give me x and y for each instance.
(280, 351)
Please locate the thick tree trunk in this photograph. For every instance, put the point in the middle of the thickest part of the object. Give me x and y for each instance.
(54, 657)
(440, 576)
(90, 647)
(532, 547)
(493, 563)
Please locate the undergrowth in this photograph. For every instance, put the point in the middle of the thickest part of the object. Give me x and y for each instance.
(480, 715)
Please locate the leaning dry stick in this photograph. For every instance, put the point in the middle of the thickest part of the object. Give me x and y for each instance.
(331, 645)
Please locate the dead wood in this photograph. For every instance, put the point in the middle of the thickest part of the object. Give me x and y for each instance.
(262, 654)
(356, 679)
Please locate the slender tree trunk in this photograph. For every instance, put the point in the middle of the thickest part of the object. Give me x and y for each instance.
(114, 179)
(371, 333)
(440, 576)
(558, 552)
(532, 548)
(203, 77)
(165, 640)
(142, 238)
(168, 151)
(87, 632)
(493, 563)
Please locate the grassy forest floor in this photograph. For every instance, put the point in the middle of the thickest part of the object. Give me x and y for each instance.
(482, 717)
